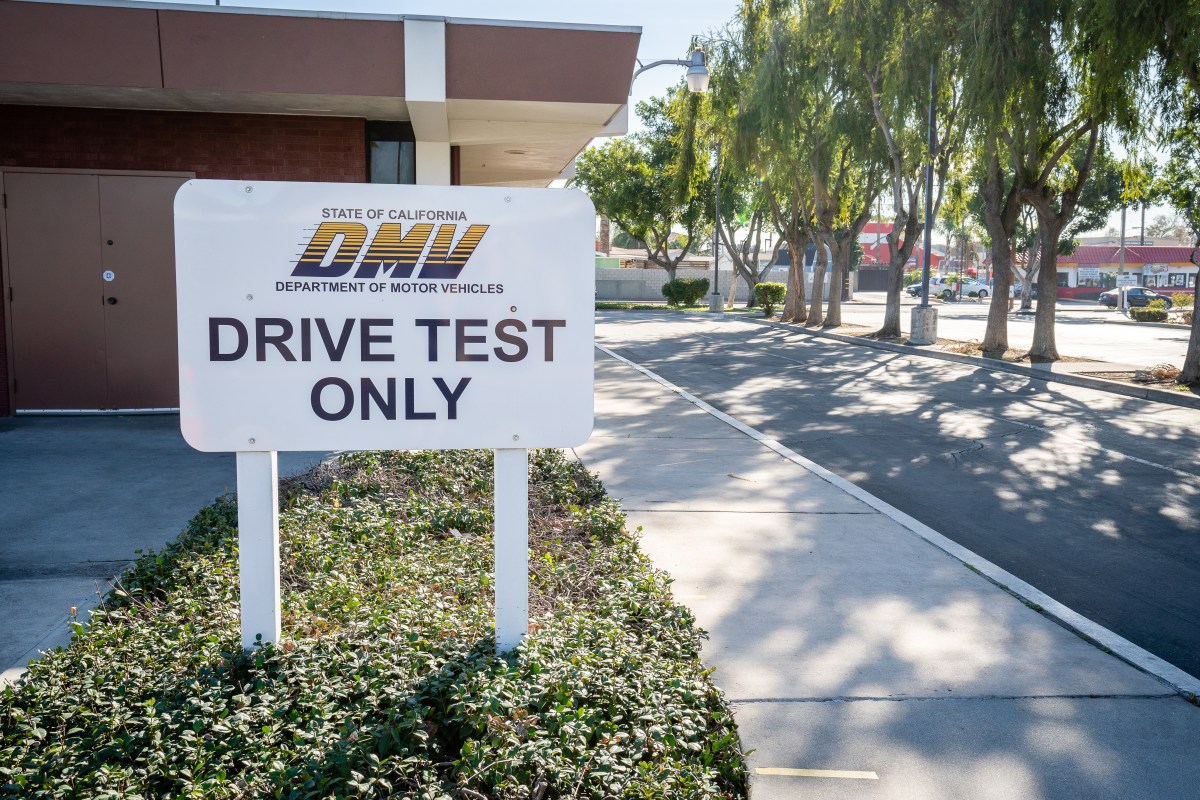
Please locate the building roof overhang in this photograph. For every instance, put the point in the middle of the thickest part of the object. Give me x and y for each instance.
(520, 99)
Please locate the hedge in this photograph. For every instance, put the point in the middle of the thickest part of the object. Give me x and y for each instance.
(385, 684)
(1156, 311)
(685, 291)
(770, 295)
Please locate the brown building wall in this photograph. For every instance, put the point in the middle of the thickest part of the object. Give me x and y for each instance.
(220, 146)
(229, 146)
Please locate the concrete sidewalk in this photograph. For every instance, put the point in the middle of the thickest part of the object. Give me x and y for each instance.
(861, 660)
(83, 494)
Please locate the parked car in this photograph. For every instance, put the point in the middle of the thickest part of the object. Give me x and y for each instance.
(1134, 296)
(981, 289)
(940, 287)
(1032, 290)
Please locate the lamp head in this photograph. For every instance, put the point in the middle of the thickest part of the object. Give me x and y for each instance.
(697, 73)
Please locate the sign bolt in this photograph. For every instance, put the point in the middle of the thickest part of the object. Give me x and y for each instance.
(251, 440)
(249, 189)
(512, 308)
(249, 297)
(508, 199)
(516, 438)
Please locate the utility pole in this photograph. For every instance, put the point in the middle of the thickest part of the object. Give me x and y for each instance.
(1121, 263)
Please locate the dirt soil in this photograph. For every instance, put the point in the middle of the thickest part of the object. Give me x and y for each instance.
(1161, 376)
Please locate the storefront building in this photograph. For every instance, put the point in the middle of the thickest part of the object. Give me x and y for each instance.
(1093, 269)
(106, 108)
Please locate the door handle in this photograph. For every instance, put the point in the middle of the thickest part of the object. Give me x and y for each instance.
(112, 301)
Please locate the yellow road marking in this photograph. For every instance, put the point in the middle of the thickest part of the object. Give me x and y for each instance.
(817, 773)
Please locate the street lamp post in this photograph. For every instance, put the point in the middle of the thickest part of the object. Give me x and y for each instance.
(698, 78)
(923, 329)
(716, 302)
(697, 70)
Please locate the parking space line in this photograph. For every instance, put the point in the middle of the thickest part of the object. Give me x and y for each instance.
(817, 773)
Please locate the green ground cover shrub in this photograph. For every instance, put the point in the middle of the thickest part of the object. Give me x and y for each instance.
(685, 291)
(769, 295)
(1184, 301)
(385, 684)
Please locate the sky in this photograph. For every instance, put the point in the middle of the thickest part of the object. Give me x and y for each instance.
(667, 29)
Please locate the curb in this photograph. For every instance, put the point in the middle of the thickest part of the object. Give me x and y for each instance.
(1100, 384)
(1176, 679)
(1165, 325)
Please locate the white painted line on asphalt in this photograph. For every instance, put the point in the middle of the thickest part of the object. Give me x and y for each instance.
(817, 773)
(1180, 681)
(1094, 445)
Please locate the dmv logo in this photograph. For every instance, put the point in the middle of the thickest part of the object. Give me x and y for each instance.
(390, 252)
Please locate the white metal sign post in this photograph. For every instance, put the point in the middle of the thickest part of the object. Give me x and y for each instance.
(370, 317)
(511, 513)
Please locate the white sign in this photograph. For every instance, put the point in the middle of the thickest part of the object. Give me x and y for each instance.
(1126, 279)
(319, 316)
(1088, 273)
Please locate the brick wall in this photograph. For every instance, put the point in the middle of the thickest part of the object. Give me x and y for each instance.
(231, 146)
(228, 146)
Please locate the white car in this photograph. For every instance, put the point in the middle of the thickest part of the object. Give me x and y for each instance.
(940, 287)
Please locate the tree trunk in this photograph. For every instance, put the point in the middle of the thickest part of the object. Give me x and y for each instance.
(751, 282)
(1044, 347)
(605, 235)
(891, 313)
(841, 257)
(901, 241)
(1000, 212)
(1191, 362)
(1031, 272)
(793, 306)
(995, 336)
(816, 304)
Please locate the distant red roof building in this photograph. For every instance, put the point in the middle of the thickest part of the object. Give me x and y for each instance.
(1109, 255)
(873, 241)
(1091, 267)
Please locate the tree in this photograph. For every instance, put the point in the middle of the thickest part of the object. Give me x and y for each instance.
(805, 126)
(888, 47)
(1131, 42)
(755, 113)
(654, 182)
(1181, 179)
(958, 218)
(1168, 227)
(746, 213)
(844, 198)
(1035, 98)
(625, 241)
(1055, 201)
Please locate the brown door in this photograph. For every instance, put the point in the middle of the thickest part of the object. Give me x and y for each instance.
(137, 216)
(54, 270)
(92, 270)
